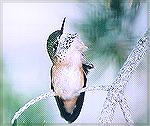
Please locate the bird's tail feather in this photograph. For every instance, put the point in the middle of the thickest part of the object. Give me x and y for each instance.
(70, 117)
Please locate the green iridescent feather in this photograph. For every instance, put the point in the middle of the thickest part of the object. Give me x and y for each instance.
(52, 41)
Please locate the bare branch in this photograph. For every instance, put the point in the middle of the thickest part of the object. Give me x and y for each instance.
(31, 102)
(126, 110)
(119, 84)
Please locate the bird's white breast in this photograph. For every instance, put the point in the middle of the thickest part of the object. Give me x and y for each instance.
(68, 82)
(67, 73)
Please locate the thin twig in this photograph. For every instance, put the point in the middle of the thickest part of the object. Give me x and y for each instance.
(51, 94)
(119, 84)
(31, 102)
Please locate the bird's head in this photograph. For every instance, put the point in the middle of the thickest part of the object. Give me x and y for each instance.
(53, 39)
(61, 46)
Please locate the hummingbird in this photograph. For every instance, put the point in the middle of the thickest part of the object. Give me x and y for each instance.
(68, 72)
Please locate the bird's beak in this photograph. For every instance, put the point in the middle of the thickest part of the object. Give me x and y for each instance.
(62, 27)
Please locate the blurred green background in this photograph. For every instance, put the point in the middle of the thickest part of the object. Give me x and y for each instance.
(110, 29)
